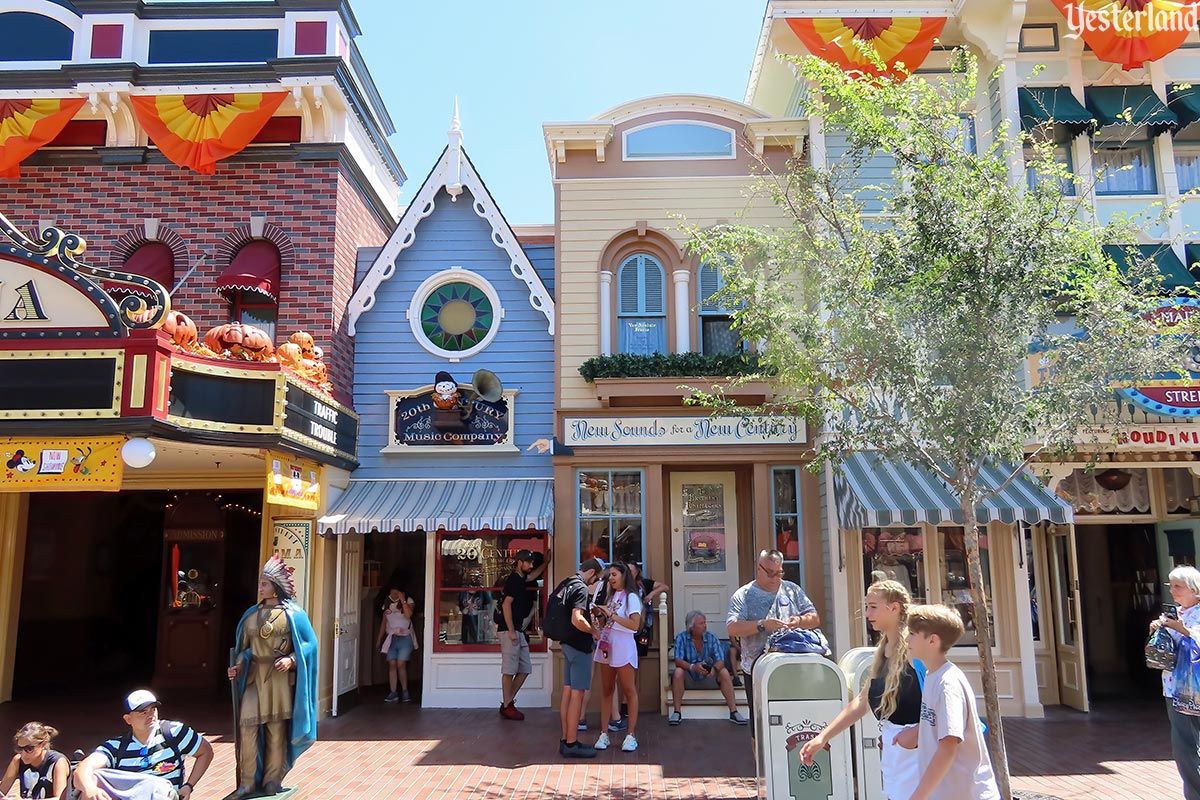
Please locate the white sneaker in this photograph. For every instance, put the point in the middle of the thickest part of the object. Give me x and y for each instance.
(630, 744)
(675, 718)
(602, 742)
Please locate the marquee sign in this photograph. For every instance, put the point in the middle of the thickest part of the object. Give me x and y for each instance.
(1171, 396)
(420, 419)
(641, 431)
(320, 423)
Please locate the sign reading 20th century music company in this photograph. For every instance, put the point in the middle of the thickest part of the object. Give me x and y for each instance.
(753, 429)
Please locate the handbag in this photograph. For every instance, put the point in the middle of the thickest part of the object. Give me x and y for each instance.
(1160, 650)
(798, 641)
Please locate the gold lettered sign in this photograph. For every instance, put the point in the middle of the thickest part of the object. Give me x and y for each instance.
(290, 540)
(62, 465)
(293, 481)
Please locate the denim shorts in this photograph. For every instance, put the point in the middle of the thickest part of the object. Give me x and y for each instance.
(400, 648)
(577, 669)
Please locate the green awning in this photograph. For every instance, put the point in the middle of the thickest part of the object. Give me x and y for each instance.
(1174, 274)
(1185, 104)
(1191, 253)
(1052, 105)
(1110, 103)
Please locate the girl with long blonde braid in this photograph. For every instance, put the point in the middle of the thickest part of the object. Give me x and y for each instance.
(893, 693)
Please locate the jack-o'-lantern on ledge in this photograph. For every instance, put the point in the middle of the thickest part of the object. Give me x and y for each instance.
(240, 341)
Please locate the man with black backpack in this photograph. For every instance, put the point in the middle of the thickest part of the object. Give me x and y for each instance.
(569, 623)
(147, 761)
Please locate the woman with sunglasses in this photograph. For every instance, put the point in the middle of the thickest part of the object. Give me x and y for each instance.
(39, 771)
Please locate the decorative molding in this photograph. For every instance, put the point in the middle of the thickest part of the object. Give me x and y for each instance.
(384, 266)
(583, 136)
(785, 132)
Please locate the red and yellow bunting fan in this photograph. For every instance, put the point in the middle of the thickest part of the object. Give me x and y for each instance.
(897, 40)
(1130, 32)
(26, 125)
(198, 130)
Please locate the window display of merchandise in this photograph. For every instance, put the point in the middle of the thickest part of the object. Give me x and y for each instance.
(956, 581)
(611, 513)
(472, 567)
(896, 554)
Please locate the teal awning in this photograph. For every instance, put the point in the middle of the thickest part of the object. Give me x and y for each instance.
(385, 506)
(1052, 105)
(1129, 106)
(872, 491)
(1184, 104)
(1174, 274)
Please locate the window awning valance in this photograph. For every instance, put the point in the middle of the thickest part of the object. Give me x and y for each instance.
(1130, 106)
(872, 491)
(1174, 274)
(410, 505)
(1184, 103)
(255, 268)
(153, 260)
(1052, 105)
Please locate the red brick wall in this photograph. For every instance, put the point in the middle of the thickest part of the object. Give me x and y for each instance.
(315, 205)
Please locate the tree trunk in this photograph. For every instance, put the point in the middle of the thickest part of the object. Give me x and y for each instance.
(983, 632)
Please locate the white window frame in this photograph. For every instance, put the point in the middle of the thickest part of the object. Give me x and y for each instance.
(454, 274)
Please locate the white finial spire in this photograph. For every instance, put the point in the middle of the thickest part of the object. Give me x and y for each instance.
(454, 156)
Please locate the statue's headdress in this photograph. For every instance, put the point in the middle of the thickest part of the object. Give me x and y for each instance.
(280, 574)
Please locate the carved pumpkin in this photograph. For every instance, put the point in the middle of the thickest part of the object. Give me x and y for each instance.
(305, 341)
(181, 329)
(240, 341)
(291, 356)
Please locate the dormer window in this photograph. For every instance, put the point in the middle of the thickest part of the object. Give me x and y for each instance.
(667, 141)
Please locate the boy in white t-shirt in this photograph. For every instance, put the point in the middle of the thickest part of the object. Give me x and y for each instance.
(950, 748)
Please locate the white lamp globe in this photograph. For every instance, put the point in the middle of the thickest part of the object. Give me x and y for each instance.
(138, 453)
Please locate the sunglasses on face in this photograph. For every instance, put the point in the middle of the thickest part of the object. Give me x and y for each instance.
(25, 748)
(771, 573)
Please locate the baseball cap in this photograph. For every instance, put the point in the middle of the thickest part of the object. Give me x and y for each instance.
(140, 699)
(592, 563)
(524, 555)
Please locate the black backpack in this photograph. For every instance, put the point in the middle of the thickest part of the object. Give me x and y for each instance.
(557, 623)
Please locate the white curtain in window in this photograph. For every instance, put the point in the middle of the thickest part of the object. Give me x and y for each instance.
(1187, 167)
(1089, 497)
(1125, 170)
(1178, 485)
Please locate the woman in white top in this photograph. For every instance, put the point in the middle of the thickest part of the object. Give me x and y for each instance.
(397, 640)
(616, 652)
(1184, 716)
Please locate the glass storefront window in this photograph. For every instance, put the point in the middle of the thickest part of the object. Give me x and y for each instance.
(785, 512)
(896, 554)
(611, 514)
(956, 582)
(471, 569)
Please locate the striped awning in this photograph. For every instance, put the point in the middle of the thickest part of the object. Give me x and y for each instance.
(428, 505)
(875, 492)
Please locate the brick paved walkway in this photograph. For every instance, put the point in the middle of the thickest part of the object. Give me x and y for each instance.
(378, 752)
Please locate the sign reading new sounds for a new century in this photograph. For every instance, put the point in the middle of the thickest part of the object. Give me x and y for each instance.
(750, 429)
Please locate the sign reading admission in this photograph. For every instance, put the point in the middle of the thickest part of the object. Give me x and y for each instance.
(583, 431)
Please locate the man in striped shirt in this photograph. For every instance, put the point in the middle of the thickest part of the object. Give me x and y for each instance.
(148, 761)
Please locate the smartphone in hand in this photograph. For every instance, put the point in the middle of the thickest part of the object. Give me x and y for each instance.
(1170, 611)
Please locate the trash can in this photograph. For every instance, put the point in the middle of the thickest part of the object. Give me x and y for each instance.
(864, 736)
(795, 696)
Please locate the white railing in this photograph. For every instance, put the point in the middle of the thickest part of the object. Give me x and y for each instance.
(663, 667)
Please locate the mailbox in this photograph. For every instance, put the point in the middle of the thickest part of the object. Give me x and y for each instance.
(795, 696)
(864, 741)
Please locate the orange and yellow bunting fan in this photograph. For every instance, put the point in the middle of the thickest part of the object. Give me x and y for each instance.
(1130, 32)
(897, 40)
(198, 130)
(26, 125)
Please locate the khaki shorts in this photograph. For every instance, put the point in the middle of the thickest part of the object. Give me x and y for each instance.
(514, 656)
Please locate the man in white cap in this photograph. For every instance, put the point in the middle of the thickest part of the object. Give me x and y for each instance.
(147, 762)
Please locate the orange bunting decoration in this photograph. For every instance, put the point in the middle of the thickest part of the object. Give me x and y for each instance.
(1131, 32)
(198, 130)
(26, 125)
(897, 40)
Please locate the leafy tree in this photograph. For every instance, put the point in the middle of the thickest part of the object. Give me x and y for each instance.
(910, 332)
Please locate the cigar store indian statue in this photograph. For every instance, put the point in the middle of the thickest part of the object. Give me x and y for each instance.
(274, 676)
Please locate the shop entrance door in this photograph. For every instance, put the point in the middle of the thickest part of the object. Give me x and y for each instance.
(704, 546)
(1068, 624)
(346, 624)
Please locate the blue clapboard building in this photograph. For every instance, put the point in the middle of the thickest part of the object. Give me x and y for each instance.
(453, 322)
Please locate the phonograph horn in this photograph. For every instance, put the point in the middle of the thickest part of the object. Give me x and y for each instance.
(486, 384)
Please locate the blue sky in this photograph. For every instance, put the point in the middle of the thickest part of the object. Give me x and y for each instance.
(519, 63)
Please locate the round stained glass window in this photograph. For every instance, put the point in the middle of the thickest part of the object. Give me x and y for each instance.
(457, 316)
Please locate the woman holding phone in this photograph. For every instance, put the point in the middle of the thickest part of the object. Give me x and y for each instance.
(616, 652)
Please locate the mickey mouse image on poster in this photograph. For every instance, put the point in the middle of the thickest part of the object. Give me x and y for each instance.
(20, 462)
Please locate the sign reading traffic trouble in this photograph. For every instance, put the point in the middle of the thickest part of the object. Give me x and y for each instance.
(729, 430)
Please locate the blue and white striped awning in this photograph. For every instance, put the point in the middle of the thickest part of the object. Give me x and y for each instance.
(371, 506)
(875, 492)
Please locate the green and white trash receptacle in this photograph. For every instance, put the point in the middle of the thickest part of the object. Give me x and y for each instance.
(864, 741)
(795, 696)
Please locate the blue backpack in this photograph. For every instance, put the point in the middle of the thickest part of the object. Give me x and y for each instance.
(798, 641)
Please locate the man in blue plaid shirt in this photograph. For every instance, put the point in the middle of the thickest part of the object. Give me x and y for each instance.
(700, 664)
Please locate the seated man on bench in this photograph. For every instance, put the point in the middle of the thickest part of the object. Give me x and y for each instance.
(700, 664)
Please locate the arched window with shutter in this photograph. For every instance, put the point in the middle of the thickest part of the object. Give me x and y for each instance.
(641, 306)
(251, 285)
(716, 316)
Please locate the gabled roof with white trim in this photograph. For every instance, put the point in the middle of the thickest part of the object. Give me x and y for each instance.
(453, 172)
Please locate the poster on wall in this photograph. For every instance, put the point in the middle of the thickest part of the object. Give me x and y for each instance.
(90, 463)
(290, 540)
(293, 481)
